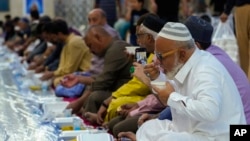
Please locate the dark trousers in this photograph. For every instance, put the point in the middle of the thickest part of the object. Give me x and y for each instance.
(95, 100)
(122, 124)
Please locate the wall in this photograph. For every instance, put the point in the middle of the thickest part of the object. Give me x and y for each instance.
(74, 11)
(16, 8)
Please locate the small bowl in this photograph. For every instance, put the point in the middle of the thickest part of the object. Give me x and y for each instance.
(38, 75)
(159, 85)
(99, 136)
(71, 135)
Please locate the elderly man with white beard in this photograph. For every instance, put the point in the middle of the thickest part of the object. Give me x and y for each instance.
(206, 101)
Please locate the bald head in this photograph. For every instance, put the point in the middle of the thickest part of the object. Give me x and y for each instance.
(97, 39)
(97, 17)
(97, 29)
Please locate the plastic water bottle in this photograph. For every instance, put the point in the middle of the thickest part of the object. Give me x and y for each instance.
(67, 112)
(44, 87)
(76, 124)
(24, 87)
(18, 77)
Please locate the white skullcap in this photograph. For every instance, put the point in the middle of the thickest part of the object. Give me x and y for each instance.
(175, 31)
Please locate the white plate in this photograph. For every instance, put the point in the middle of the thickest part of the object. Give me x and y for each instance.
(55, 107)
(95, 137)
(69, 135)
(66, 121)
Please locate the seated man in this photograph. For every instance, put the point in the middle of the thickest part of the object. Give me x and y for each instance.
(22, 33)
(203, 85)
(66, 87)
(9, 33)
(198, 28)
(115, 70)
(146, 33)
(20, 49)
(49, 60)
(39, 53)
(75, 55)
(40, 48)
(134, 90)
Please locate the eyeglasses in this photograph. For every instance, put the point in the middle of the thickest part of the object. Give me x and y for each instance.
(161, 56)
(141, 34)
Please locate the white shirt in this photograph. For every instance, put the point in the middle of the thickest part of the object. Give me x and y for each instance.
(206, 103)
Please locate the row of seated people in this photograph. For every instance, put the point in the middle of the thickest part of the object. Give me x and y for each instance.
(115, 100)
(182, 110)
(130, 114)
(124, 109)
(132, 103)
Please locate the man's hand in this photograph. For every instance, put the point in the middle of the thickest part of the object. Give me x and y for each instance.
(39, 69)
(101, 114)
(47, 75)
(126, 108)
(164, 93)
(32, 66)
(143, 118)
(152, 70)
(38, 59)
(70, 80)
(140, 75)
(139, 71)
(75, 106)
(223, 17)
(129, 135)
(18, 48)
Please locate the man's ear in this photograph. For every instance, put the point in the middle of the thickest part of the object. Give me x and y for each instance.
(98, 37)
(182, 54)
(198, 45)
(151, 38)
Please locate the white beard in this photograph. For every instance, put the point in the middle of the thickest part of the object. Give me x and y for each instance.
(170, 75)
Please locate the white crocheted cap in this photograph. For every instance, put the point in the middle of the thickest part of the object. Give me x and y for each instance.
(175, 31)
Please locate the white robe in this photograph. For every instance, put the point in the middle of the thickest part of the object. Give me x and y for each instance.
(206, 104)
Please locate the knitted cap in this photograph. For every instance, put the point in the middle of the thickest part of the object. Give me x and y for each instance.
(200, 29)
(154, 23)
(175, 31)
